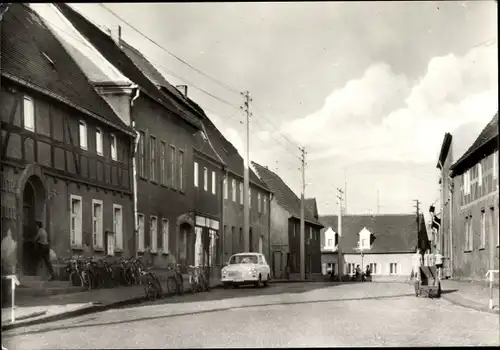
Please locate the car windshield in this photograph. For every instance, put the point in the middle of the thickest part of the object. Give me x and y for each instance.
(243, 259)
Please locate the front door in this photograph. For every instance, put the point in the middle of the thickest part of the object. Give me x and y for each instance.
(30, 253)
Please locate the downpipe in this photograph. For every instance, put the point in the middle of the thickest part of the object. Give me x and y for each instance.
(134, 175)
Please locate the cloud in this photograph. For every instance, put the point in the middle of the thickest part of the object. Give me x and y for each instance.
(380, 116)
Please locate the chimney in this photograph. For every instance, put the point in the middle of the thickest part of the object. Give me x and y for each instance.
(183, 89)
(116, 34)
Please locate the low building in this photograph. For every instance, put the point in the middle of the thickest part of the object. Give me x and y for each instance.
(474, 234)
(329, 256)
(285, 229)
(65, 153)
(384, 242)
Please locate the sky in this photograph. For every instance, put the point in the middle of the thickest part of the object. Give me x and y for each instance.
(368, 88)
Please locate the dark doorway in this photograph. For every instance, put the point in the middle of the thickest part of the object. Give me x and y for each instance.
(187, 241)
(33, 211)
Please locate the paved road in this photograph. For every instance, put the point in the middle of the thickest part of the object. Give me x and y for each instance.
(284, 315)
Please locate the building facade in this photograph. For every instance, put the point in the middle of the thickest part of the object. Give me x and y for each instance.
(386, 243)
(285, 250)
(475, 236)
(65, 153)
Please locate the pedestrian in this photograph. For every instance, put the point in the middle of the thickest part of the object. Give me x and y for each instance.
(42, 239)
(438, 260)
(368, 273)
(417, 263)
(358, 273)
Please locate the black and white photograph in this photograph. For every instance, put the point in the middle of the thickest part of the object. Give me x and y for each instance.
(249, 174)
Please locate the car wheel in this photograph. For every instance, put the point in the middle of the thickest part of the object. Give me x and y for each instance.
(235, 286)
(258, 284)
(266, 282)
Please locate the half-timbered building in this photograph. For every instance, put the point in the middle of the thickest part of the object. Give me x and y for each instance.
(65, 154)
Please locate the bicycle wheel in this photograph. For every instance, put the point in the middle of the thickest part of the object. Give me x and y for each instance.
(171, 286)
(75, 279)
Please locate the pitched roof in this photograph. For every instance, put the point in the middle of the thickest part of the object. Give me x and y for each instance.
(312, 206)
(229, 153)
(33, 56)
(489, 133)
(121, 60)
(391, 233)
(284, 195)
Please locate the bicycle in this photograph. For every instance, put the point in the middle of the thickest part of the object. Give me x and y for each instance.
(152, 286)
(195, 279)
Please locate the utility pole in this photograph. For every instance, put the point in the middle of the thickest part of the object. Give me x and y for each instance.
(345, 190)
(339, 229)
(378, 202)
(417, 208)
(246, 183)
(302, 223)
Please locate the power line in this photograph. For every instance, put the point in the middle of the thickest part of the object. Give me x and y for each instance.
(172, 54)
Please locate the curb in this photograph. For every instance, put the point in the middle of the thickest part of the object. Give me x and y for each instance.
(97, 307)
(470, 305)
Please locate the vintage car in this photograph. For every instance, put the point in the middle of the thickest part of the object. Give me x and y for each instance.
(246, 268)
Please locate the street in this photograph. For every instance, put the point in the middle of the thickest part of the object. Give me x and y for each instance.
(281, 315)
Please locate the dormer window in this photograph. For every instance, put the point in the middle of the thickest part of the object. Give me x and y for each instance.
(114, 153)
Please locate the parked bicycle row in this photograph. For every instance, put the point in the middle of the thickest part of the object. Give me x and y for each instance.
(108, 272)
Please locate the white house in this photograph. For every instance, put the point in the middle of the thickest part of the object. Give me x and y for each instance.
(384, 242)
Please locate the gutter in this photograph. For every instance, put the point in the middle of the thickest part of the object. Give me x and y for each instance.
(67, 102)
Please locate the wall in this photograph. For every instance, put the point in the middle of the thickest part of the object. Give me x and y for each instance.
(163, 199)
(443, 237)
(312, 246)
(329, 234)
(233, 218)
(473, 264)
(279, 239)
(205, 201)
(404, 261)
(53, 149)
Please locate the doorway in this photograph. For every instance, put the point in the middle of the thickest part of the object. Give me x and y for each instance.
(33, 211)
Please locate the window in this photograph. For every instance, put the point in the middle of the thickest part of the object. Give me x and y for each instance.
(249, 197)
(351, 268)
(212, 255)
(114, 150)
(479, 174)
(241, 193)
(259, 206)
(164, 235)
(225, 188)
(213, 182)
(195, 174)
(140, 232)
(97, 224)
(142, 154)
(29, 114)
(76, 220)
(468, 234)
(310, 233)
(467, 182)
(373, 267)
(363, 243)
(153, 234)
(260, 244)
(205, 179)
(233, 189)
(82, 127)
(163, 163)
(181, 170)
(172, 166)
(493, 221)
(393, 268)
(98, 141)
(483, 229)
(152, 158)
(265, 204)
(495, 164)
(330, 242)
(118, 225)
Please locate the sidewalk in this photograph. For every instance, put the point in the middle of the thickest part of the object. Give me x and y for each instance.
(47, 309)
(474, 295)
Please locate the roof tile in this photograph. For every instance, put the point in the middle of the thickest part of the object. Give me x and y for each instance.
(284, 195)
(28, 44)
(392, 233)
